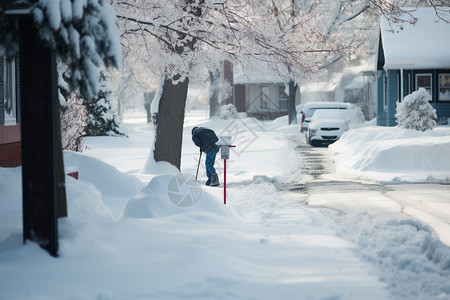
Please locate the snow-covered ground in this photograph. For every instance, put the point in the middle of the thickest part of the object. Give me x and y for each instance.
(125, 238)
(394, 155)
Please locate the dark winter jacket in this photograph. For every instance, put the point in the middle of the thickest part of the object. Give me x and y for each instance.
(204, 138)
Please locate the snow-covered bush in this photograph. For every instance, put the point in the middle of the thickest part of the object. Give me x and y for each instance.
(73, 120)
(102, 119)
(415, 112)
(228, 112)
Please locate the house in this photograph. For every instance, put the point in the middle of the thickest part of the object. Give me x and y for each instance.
(261, 96)
(416, 57)
(10, 130)
(358, 86)
(10, 139)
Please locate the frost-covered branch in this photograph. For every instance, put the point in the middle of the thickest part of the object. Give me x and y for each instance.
(235, 31)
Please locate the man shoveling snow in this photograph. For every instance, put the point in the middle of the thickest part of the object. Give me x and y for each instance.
(206, 139)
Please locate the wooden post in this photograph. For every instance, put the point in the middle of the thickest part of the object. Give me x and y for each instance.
(42, 170)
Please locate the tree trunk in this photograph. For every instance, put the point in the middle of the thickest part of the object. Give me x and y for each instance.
(291, 102)
(214, 93)
(169, 122)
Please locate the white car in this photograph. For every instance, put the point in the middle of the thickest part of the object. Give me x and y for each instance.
(310, 107)
(326, 126)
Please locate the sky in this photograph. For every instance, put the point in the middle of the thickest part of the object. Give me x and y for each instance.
(128, 236)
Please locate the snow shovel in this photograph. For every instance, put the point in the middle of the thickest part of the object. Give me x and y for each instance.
(196, 174)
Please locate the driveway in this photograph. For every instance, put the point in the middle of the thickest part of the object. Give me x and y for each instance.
(322, 187)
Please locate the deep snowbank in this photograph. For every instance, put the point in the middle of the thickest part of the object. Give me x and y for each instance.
(392, 154)
(105, 177)
(412, 261)
(168, 195)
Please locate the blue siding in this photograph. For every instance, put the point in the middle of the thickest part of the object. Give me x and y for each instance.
(381, 113)
(442, 111)
(386, 114)
(393, 96)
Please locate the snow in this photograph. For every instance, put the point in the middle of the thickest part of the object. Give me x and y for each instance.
(108, 15)
(157, 98)
(126, 239)
(78, 7)
(53, 12)
(393, 154)
(419, 46)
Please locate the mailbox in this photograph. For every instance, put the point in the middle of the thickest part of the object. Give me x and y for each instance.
(224, 144)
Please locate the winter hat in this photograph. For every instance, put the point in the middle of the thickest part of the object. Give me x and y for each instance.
(193, 129)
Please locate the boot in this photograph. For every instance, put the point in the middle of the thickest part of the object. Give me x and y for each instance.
(214, 179)
(208, 182)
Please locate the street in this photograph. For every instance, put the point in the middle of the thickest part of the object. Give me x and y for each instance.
(322, 187)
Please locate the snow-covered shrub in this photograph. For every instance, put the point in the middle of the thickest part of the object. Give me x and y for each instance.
(415, 112)
(228, 112)
(73, 120)
(102, 119)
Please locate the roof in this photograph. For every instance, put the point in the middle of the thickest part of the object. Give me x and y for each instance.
(422, 46)
(259, 76)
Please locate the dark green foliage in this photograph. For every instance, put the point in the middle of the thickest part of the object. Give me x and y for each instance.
(101, 119)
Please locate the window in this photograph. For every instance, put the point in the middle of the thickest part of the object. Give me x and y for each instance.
(425, 81)
(265, 97)
(444, 87)
(282, 97)
(9, 91)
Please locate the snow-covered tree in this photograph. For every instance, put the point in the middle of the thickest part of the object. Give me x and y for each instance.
(218, 91)
(399, 12)
(214, 89)
(101, 118)
(84, 35)
(416, 112)
(228, 112)
(184, 37)
(72, 113)
(73, 121)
